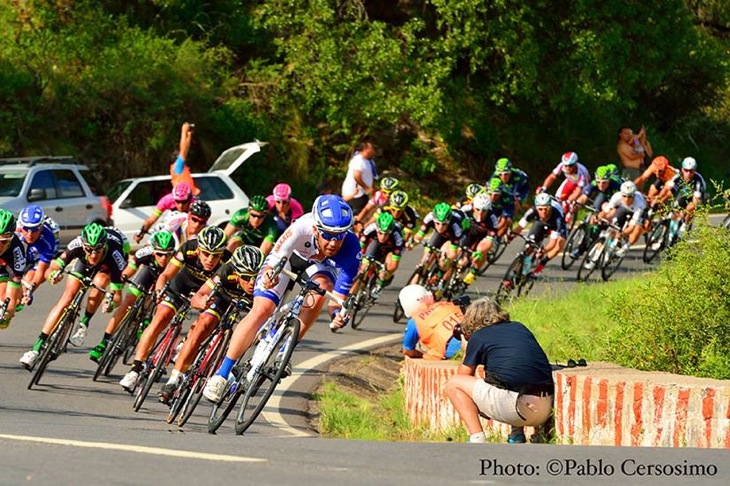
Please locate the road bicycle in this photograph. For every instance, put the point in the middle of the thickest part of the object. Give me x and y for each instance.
(519, 278)
(124, 340)
(3, 310)
(261, 368)
(57, 341)
(361, 301)
(425, 274)
(579, 240)
(494, 253)
(161, 355)
(455, 285)
(206, 362)
(603, 253)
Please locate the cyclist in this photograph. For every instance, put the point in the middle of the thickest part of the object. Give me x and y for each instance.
(178, 200)
(99, 253)
(502, 205)
(515, 180)
(12, 265)
(143, 269)
(662, 173)
(233, 280)
(185, 226)
(404, 214)
(627, 202)
(381, 241)
(449, 225)
(283, 207)
(547, 220)
(379, 199)
(600, 190)
(40, 235)
(576, 178)
(253, 226)
(469, 193)
(194, 262)
(481, 234)
(322, 240)
(688, 188)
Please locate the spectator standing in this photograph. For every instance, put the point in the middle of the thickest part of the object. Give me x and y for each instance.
(179, 170)
(358, 185)
(518, 387)
(632, 150)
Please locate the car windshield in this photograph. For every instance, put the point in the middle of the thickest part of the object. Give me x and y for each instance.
(117, 189)
(11, 182)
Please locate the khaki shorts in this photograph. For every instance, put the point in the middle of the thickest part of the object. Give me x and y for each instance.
(510, 407)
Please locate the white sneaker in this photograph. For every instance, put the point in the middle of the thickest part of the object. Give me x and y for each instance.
(130, 381)
(621, 252)
(215, 387)
(79, 336)
(589, 265)
(176, 353)
(29, 359)
(376, 292)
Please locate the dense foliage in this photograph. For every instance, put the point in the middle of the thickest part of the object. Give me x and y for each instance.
(442, 86)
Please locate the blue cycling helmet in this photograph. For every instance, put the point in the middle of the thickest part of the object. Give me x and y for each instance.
(332, 214)
(32, 216)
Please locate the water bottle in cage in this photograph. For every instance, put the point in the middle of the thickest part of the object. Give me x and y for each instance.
(527, 266)
(259, 353)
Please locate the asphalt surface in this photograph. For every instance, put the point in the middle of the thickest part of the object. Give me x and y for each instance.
(71, 430)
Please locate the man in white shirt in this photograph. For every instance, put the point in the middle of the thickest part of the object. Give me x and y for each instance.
(358, 184)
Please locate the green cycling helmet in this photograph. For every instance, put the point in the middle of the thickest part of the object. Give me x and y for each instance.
(163, 241)
(385, 222)
(7, 222)
(613, 169)
(442, 212)
(258, 203)
(503, 166)
(472, 190)
(495, 185)
(602, 173)
(93, 235)
(389, 184)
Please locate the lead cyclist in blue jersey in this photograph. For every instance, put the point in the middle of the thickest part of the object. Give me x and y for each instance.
(40, 235)
(331, 256)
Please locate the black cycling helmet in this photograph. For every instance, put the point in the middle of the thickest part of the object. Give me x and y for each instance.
(93, 235)
(200, 209)
(247, 260)
(212, 239)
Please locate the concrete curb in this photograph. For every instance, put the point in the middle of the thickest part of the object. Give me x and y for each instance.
(601, 404)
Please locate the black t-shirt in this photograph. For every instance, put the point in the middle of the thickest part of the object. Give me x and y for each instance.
(510, 352)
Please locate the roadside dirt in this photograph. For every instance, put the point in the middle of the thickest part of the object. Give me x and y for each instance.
(366, 375)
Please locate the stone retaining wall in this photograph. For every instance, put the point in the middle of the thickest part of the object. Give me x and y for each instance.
(601, 404)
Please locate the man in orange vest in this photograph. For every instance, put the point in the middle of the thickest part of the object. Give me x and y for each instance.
(431, 324)
(179, 170)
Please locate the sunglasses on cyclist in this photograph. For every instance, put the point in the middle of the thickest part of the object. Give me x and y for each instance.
(688, 171)
(384, 232)
(332, 236)
(247, 277)
(163, 253)
(31, 230)
(255, 215)
(5, 239)
(195, 219)
(281, 201)
(210, 254)
(92, 250)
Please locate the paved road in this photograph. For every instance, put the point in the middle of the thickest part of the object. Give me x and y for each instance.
(73, 430)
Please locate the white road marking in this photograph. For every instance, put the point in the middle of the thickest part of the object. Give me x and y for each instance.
(134, 448)
(271, 411)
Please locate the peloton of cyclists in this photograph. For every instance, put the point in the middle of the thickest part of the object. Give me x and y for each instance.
(379, 199)
(576, 177)
(689, 191)
(100, 253)
(12, 265)
(234, 280)
(178, 200)
(382, 241)
(547, 220)
(253, 225)
(321, 241)
(143, 269)
(185, 226)
(405, 215)
(194, 262)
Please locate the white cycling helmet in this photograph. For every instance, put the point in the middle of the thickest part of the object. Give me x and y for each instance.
(482, 202)
(542, 199)
(413, 296)
(628, 188)
(569, 158)
(689, 163)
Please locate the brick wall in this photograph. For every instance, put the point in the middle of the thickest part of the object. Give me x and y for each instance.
(601, 404)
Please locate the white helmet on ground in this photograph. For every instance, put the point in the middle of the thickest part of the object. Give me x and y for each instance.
(413, 296)
(689, 163)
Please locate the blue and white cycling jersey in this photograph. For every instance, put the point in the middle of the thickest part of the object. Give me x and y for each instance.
(45, 247)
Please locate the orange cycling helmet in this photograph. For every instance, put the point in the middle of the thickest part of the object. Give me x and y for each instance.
(660, 163)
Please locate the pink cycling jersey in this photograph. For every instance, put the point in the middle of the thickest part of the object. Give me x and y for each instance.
(295, 207)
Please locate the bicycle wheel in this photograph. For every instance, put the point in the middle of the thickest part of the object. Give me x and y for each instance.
(610, 262)
(54, 346)
(117, 346)
(398, 312)
(364, 301)
(264, 382)
(214, 357)
(160, 357)
(220, 411)
(575, 242)
(511, 280)
(655, 242)
(592, 259)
